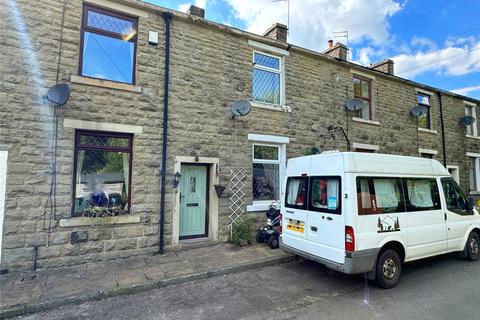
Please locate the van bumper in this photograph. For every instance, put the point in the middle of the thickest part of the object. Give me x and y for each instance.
(355, 262)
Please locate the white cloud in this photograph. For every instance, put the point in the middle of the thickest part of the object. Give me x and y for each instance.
(365, 55)
(451, 61)
(199, 3)
(465, 91)
(312, 22)
(420, 42)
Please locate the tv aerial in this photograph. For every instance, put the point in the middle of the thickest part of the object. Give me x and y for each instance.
(240, 108)
(466, 121)
(58, 94)
(419, 111)
(354, 104)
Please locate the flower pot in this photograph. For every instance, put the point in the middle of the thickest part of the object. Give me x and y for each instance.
(219, 189)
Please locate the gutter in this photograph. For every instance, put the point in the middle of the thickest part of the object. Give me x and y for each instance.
(442, 124)
(167, 16)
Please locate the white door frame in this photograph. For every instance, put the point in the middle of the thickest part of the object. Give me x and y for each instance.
(214, 170)
(3, 185)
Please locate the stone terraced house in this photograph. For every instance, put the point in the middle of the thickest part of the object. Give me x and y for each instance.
(119, 130)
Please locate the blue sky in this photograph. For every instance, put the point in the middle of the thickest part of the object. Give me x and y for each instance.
(436, 42)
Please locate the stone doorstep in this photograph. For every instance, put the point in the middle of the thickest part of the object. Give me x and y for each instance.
(143, 285)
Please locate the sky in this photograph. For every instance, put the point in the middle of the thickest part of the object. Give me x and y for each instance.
(436, 42)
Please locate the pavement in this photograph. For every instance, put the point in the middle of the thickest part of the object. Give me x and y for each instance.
(439, 288)
(22, 293)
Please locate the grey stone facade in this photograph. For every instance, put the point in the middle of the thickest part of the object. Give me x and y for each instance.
(211, 66)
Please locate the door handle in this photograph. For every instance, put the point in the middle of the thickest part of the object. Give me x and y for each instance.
(313, 228)
(329, 218)
(445, 215)
(288, 211)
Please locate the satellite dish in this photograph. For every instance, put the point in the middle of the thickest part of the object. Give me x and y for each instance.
(354, 104)
(240, 108)
(58, 94)
(419, 111)
(466, 121)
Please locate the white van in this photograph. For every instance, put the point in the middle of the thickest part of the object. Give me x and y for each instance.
(369, 213)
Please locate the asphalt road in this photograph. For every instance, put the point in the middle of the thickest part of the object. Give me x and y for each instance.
(439, 288)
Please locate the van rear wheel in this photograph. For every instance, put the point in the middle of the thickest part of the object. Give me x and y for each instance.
(473, 247)
(389, 269)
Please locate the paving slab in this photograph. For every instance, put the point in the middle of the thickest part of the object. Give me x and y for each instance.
(28, 292)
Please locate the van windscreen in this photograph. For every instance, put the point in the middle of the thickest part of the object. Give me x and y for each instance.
(296, 193)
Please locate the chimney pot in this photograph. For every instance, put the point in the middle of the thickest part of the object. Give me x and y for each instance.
(385, 66)
(196, 11)
(277, 31)
(338, 51)
(330, 44)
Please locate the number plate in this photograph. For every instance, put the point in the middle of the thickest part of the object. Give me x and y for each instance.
(296, 227)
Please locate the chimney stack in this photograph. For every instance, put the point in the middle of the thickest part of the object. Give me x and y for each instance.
(277, 32)
(196, 11)
(338, 51)
(385, 66)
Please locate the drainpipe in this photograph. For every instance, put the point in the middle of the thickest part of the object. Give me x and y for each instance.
(442, 124)
(167, 16)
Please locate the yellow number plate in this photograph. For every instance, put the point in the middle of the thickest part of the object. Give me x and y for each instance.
(296, 228)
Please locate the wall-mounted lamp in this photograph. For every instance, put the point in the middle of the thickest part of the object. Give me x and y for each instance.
(176, 179)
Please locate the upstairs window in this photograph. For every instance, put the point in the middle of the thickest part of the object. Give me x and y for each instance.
(362, 89)
(424, 121)
(267, 78)
(108, 45)
(103, 166)
(471, 129)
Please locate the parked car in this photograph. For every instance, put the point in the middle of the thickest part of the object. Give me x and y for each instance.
(370, 213)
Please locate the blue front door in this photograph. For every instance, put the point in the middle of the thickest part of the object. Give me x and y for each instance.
(193, 201)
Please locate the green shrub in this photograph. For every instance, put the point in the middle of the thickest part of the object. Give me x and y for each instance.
(241, 232)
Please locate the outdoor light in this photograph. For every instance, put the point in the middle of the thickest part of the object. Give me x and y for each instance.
(176, 179)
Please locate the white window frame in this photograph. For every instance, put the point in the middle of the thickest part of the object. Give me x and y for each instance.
(474, 114)
(455, 177)
(270, 141)
(431, 152)
(476, 156)
(419, 92)
(280, 71)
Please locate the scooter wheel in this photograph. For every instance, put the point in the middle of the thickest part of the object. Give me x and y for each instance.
(273, 242)
(259, 237)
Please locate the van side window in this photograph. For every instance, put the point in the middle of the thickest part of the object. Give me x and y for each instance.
(422, 194)
(296, 193)
(454, 197)
(379, 195)
(325, 194)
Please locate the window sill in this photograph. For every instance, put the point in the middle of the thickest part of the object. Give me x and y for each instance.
(258, 206)
(472, 137)
(373, 122)
(475, 193)
(87, 221)
(269, 106)
(428, 130)
(105, 84)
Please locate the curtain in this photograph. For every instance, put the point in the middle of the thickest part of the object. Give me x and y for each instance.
(386, 193)
(365, 194)
(332, 194)
(126, 172)
(420, 193)
(292, 192)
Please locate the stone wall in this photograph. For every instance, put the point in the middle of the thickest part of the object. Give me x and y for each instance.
(210, 68)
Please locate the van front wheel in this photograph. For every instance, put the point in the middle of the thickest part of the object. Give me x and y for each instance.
(473, 247)
(389, 269)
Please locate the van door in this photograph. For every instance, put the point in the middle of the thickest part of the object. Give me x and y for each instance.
(427, 233)
(295, 213)
(325, 229)
(458, 215)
